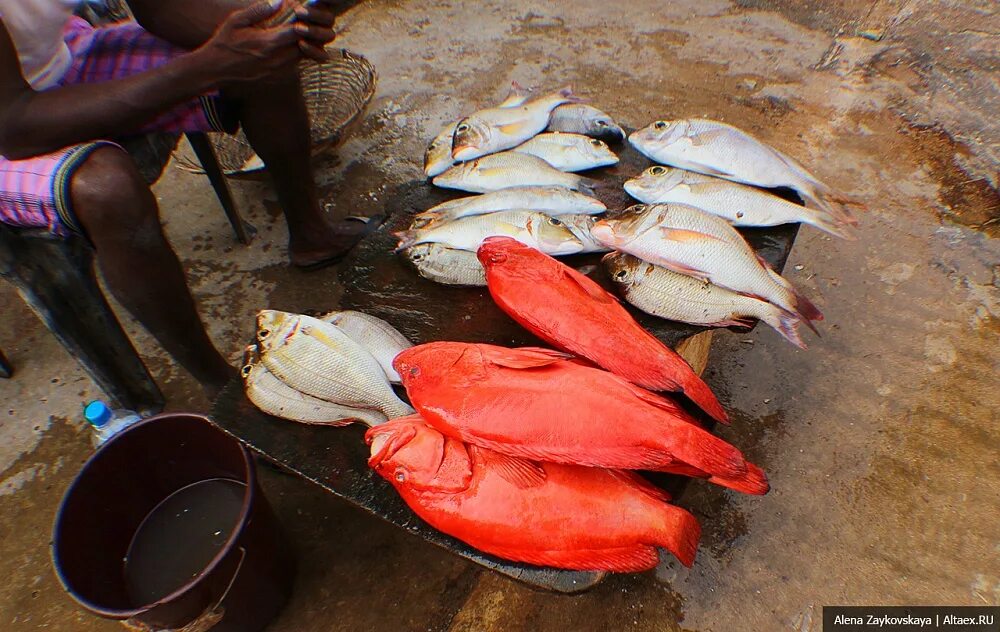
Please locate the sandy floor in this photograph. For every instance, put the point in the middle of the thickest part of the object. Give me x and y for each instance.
(880, 440)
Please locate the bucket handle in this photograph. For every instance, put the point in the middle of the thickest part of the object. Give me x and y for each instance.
(203, 622)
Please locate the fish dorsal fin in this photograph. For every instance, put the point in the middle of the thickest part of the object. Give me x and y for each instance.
(682, 235)
(523, 357)
(587, 285)
(521, 473)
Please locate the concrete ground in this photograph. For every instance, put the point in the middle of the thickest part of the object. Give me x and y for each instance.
(881, 440)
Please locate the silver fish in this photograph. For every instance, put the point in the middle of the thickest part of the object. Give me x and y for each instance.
(678, 297)
(529, 227)
(721, 150)
(551, 200)
(437, 158)
(692, 242)
(496, 129)
(318, 359)
(579, 118)
(377, 337)
(569, 152)
(450, 266)
(580, 226)
(740, 204)
(510, 169)
(274, 397)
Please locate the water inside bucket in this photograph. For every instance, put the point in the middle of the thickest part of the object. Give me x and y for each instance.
(180, 536)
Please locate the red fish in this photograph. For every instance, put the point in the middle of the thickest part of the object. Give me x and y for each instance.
(563, 516)
(572, 312)
(541, 404)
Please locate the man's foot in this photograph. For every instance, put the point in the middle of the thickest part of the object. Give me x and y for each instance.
(318, 249)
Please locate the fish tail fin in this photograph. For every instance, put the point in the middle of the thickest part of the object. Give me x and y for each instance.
(701, 394)
(830, 223)
(796, 300)
(697, 447)
(753, 482)
(785, 323)
(567, 96)
(407, 238)
(836, 204)
(591, 186)
(678, 531)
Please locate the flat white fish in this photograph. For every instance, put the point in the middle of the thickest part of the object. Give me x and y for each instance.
(579, 118)
(450, 266)
(551, 200)
(318, 359)
(678, 297)
(569, 152)
(742, 205)
(531, 228)
(437, 158)
(274, 397)
(692, 242)
(721, 150)
(377, 337)
(580, 226)
(497, 129)
(510, 169)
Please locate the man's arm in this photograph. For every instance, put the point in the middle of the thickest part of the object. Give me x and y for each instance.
(33, 123)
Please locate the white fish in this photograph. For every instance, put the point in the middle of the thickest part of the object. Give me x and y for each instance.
(551, 200)
(678, 297)
(510, 169)
(437, 158)
(274, 397)
(569, 152)
(531, 228)
(692, 242)
(740, 204)
(721, 150)
(318, 359)
(580, 226)
(497, 129)
(450, 266)
(579, 118)
(377, 337)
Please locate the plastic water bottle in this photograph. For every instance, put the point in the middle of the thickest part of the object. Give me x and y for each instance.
(107, 422)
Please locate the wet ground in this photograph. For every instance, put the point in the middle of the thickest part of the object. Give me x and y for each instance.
(881, 440)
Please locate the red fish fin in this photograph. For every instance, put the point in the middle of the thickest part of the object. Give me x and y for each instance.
(589, 287)
(642, 484)
(753, 482)
(613, 457)
(702, 449)
(679, 533)
(685, 236)
(523, 357)
(659, 401)
(631, 559)
(519, 472)
(695, 389)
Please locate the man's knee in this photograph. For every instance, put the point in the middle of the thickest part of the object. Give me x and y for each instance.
(109, 194)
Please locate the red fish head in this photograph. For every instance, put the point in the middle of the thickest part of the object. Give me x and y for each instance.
(410, 454)
(422, 365)
(496, 251)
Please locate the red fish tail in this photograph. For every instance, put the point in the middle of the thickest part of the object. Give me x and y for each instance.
(679, 533)
(753, 482)
(699, 392)
(703, 450)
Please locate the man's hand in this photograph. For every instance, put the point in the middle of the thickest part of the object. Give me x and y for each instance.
(314, 26)
(240, 50)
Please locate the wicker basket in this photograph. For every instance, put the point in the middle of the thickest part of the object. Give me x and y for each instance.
(336, 95)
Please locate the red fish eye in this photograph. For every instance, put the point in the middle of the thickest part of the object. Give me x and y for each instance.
(498, 257)
(415, 371)
(400, 475)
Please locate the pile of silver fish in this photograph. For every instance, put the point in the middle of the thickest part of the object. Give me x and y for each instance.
(522, 157)
(332, 370)
(679, 256)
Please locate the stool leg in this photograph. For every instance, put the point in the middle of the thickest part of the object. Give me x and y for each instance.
(56, 279)
(6, 370)
(210, 163)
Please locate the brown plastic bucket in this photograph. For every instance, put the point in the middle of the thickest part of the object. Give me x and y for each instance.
(241, 589)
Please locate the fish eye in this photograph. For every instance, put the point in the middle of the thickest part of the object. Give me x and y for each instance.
(263, 333)
(245, 371)
(555, 222)
(639, 207)
(597, 143)
(462, 128)
(498, 257)
(603, 123)
(621, 274)
(417, 256)
(400, 475)
(657, 171)
(415, 371)
(660, 125)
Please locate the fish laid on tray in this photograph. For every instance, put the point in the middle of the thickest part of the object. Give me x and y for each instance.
(551, 200)
(742, 205)
(274, 397)
(450, 266)
(534, 229)
(510, 169)
(572, 312)
(496, 129)
(721, 150)
(678, 297)
(317, 358)
(545, 405)
(569, 152)
(692, 242)
(580, 118)
(547, 514)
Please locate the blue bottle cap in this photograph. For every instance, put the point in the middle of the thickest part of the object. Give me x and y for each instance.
(97, 413)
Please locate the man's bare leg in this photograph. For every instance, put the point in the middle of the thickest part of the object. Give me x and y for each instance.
(275, 120)
(120, 216)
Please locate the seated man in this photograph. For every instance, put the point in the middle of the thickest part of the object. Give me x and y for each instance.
(186, 66)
